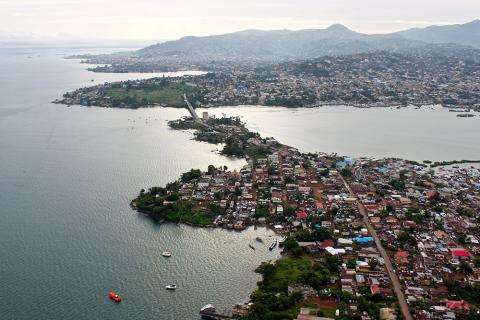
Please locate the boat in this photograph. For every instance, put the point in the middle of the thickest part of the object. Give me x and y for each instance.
(273, 245)
(251, 247)
(115, 297)
(259, 239)
(171, 287)
(208, 308)
(208, 312)
(167, 254)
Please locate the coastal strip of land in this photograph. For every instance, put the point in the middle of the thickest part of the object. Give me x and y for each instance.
(377, 79)
(352, 228)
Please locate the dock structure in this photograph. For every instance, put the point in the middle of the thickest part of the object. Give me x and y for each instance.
(190, 109)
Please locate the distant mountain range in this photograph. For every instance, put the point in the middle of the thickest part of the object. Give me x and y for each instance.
(465, 34)
(309, 43)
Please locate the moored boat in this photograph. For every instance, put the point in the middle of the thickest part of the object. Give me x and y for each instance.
(273, 245)
(208, 312)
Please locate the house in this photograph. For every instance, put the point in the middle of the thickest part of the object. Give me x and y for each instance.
(458, 305)
(326, 224)
(460, 254)
(302, 215)
(401, 257)
(305, 290)
(374, 289)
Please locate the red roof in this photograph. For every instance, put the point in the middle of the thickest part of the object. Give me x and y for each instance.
(401, 254)
(302, 214)
(460, 253)
(319, 205)
(327, 243)
(374, 289)
(460, 304)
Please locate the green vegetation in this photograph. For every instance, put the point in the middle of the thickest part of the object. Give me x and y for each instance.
(447, 163)
(239, 146)
(185, 124)
(171, 97)
(468, 293)
(270, 300)
(193, 174)
(347, 173)
(319, 234)
(166, 204)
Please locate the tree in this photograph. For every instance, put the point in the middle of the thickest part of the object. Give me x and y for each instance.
(351, 264)
(211, 169)
(466, 268)
(191, 175)
(347, 173)
(290, 243)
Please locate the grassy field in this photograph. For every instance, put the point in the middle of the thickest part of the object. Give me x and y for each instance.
(172, 97)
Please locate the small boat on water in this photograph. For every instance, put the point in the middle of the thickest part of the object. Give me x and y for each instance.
(167, 254)
(273, 245)
(171, 287)
(208, 312)
(251, 247)
(115, 297)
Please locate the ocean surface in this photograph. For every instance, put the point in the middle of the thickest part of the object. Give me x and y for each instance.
(67, 175)
(67, 233)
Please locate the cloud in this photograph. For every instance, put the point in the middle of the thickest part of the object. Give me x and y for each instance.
(162, 19)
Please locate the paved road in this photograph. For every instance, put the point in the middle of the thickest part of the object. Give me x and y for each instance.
(190, 108)
(397, 288)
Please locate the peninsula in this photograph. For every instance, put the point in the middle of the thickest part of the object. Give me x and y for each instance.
(364, 238)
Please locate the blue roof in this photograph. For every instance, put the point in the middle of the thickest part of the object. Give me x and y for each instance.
(363, 239)
(384, 170)
(343, 164)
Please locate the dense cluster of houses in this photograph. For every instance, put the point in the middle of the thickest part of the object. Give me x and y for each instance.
(425, 219)
(428, 221)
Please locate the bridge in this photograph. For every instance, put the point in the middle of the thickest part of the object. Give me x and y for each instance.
(190, 109)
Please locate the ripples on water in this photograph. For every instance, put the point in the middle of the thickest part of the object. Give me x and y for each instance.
(67, 233)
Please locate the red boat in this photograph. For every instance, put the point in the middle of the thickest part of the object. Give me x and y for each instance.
(115, 297)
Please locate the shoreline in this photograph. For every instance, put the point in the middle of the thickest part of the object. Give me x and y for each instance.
(331, 104)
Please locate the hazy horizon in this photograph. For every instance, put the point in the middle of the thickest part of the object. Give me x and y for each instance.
(147, 20)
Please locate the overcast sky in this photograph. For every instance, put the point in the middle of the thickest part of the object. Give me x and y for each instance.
(160, 19)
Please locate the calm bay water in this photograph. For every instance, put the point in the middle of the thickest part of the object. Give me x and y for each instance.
(67, 234)
(431, 133)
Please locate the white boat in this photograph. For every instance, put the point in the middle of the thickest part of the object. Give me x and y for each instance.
(273, 245)
(208, 308)
(166, 254)
(171, 287)
(208, 312)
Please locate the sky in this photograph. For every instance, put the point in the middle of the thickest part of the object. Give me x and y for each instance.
(164, 20)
